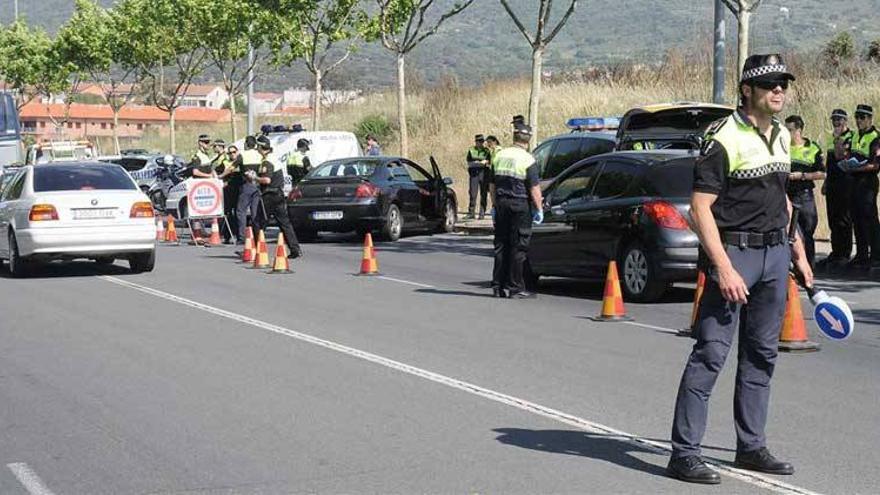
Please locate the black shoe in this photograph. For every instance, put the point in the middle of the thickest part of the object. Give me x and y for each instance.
(693, 470)
(499, 293)
(762, 460)
(295, 254)
(523, 295)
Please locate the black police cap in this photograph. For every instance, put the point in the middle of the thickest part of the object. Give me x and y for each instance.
(479, 137)
(303, 143)
(518, 119)
(264, 143)
(865, 110)
(204, 138)
(768, 67)
(839, 113)
(522, 129)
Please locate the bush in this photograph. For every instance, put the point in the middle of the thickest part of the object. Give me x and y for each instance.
(375, 124)
(874, 51)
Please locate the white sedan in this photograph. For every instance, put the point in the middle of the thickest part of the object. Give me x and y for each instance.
(75, 210)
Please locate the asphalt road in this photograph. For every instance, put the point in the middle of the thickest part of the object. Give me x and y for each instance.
(207, 377)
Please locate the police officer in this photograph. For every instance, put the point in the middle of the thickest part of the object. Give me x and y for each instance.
(864, 160)
(478, 164)
(807, 165)
(226, 166)
(201, 162)
(298, 164)
(514, 182)
(271, 179)
(249, 194)
(740, 212)
(838, 189)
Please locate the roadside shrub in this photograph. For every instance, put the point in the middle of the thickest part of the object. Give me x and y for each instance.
(375, 124)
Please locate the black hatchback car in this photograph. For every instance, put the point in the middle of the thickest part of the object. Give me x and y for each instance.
(383, 194)
(628, 206)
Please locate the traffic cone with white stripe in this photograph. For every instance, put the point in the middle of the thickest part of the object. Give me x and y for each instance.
(793, 337)
(369, 265)
(698, 295)
(248, 253)
(215, 233)
(261, 259)
(171, 232)
(160, 230)
(281, 263)
(612, 302)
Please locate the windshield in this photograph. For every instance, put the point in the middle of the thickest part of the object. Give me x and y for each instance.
(347, 168)
(81, 178)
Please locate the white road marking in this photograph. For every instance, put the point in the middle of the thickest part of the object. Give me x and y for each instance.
(755, 479)
(383, 277)
(29, 479)
(653, 327)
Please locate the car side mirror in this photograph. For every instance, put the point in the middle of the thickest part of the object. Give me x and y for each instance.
(447, 181)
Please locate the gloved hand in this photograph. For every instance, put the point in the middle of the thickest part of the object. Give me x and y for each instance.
(537, 217)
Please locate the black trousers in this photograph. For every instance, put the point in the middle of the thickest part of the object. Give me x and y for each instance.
(478, 185)
(808, 220)
(863, 209)
(837, 200)
(276, 206)
(248, 205)
(513, 231)
(230, 204)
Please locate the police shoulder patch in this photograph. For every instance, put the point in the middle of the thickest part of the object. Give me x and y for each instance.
(716, 126)
(707, 146)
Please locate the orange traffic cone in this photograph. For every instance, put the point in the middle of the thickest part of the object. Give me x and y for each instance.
(698, 295)
(171, 232)
(793, 337)
(281, 263)
(160, 229)
(247, 254)
(215, 234)
(369, 265)
(612, 302)
(261, 259)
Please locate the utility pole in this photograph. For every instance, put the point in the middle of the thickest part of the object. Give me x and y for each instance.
(15, 9)
(250, 92)
(719, 56)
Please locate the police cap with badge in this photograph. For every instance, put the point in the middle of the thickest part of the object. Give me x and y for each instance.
(764, 70)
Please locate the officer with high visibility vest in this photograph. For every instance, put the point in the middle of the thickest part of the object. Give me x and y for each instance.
(270, 176)
(249, 195)
(838, 189)
(741, 215)
(516, 194)
(202, 160)
(478, 168)
(226, 167)
(298, 164)
(864, 163)
(807, 165)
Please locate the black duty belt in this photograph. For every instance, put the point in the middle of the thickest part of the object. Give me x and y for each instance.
(753, 239)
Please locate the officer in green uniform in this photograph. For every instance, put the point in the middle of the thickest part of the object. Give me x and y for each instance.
(201, 162)
(298, 164)
(741, 214)
(864, 162)
(513, 184)
(225, 168)
(838, 189)
(807, 165)
(271, 179)
(478, 165)
(249, 194)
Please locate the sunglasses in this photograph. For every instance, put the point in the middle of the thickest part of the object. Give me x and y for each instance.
(771, 85)
(862, 116)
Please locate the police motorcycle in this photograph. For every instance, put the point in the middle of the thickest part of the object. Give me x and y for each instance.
(169, 173)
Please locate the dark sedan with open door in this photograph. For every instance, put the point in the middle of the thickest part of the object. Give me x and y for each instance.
(628, 206)
(382, 194)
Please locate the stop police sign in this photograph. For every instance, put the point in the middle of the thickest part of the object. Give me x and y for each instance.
(204, 198)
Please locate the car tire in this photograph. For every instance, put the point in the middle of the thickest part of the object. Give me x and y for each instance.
(142, 262)
(393, 224)
(639, 276)
(530, 278)
(18, 267)
(450, 218)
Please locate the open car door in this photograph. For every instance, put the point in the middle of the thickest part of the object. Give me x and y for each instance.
(439, 190)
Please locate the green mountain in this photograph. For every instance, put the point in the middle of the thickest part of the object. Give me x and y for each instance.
(482, 42)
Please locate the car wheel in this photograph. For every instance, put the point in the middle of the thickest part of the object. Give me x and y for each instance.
(449, 218)
(18, 267)
(393, 224)
(640, 279)
(105, 260)
(142, 262)
(530, 278)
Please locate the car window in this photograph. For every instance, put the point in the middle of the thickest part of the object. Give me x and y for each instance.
(541, 153)
(359, 168)
(132, 164)
(13, 191)
(671, 180)
(576, 186)
(81, 178)
(417, 174)
(399, 173)
(592, 146)
(615, 178)
(566, 152)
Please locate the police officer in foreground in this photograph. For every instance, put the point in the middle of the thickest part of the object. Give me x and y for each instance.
(249, 194)
(271, 179)
(516, 195)
(807, 165)
(202, 160)
(741, 214)
(478, 167)
(865, 159)
(298, 164)
(838, 189)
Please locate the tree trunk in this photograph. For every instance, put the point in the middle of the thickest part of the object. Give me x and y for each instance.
(535, 95)
(401, 106)
(116, 147)
(742, 50)
(316, 102)
(232, 109)
(172, 136)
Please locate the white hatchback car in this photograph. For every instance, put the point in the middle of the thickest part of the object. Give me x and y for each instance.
(75, 210)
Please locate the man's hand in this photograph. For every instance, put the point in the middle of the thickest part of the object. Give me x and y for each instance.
(537, 217)
(732, 285)
(803, 266)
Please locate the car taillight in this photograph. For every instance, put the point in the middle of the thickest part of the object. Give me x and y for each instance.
(665, 215)
(141, 209)
(40, 213)
(366, 190)
(295, 195)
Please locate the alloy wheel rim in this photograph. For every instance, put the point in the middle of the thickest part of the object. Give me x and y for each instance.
(395, 222)
(450, 215)
(635, 271)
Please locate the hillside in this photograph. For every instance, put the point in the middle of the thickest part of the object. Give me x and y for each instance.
(483, 44)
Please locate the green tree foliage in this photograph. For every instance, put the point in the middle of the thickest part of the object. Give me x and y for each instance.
(840, 50)
(873, 54)
(25, 55)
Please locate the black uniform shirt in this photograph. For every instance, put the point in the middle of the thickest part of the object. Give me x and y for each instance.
(833, 170)
(269, 169)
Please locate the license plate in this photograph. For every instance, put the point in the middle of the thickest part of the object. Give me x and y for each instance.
(327, 215)
(93, 213)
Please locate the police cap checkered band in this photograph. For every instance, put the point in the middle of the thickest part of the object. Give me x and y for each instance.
(522, 129)
(865, 109)
(263, 142)
(204, 138)
(479, 137)
(839, 113)
(765, 67)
